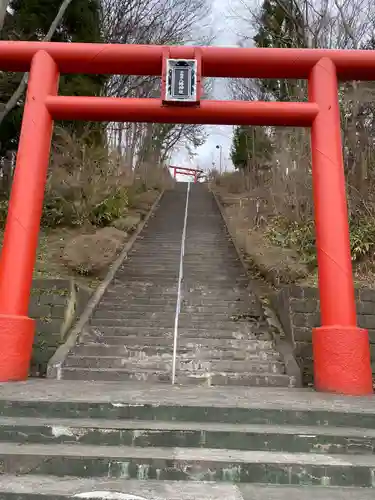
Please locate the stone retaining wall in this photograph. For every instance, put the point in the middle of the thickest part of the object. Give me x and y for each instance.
(55, 304)
(298, 311)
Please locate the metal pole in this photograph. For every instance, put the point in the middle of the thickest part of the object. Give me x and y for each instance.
(220, 148)
(179, 287)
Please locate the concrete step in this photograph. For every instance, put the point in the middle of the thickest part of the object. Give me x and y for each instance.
(51, 487)
(229, 310)
(134, 308)
(288, 439)
(139, 256)
(166, 251)
(144, 284)
(166, 321)
(244, 379)
(166, 290)
(137, 274)
(189, 464)
(187, 343)
(140, 301)
(142, 267)
(115, 374)
(47, 487)
(143, 297)
(141, 272)
(191, 364)
(225, 294)
(205, 260)
(39, 487)
(125, 314)
(252, 405)
(223, 303)
(133, 317)
(221, 272)
(239, 287)
(183, 378)
(145, 349)
(162, 241)
(142, 247)
(157, 331)
(167, 294)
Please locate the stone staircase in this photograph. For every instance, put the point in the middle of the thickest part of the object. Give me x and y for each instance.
(131, 441)
(114, 432)
(223, 338)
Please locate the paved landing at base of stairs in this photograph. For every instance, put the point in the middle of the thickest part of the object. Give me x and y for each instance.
(126, 441)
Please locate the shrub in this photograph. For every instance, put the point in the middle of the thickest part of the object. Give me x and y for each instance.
(90, 185)
(301, 236)
(362, 238)
(292, 234)
(110, 209)
(85, 184)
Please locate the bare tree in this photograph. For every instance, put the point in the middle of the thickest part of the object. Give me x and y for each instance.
(161, 22)
(334, 24)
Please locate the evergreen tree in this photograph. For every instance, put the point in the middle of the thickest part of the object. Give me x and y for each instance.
(251, 147)
(280, 26)
(31, 21)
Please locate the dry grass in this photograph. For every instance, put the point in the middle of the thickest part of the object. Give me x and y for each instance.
(48, 260)
(251, 213)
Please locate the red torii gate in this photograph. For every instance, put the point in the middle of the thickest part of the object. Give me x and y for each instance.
(195, 172)
(341, 349)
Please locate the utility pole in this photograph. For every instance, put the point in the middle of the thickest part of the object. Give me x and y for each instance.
(221, 158)
(3, 11)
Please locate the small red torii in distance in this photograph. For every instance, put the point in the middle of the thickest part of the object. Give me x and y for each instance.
(195, 172)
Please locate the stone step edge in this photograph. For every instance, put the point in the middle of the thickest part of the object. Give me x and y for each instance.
(123, 424)
(199, 375)
(222, 344)
(43, 393)
(185, 455)
(216, 352)
(188, 359)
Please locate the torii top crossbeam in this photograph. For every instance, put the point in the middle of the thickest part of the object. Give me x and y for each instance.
(147, 60)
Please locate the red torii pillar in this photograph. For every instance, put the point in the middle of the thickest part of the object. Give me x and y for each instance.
(23, 221)
(340, 348)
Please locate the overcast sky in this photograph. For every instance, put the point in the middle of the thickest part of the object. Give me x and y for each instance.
(217, 135)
